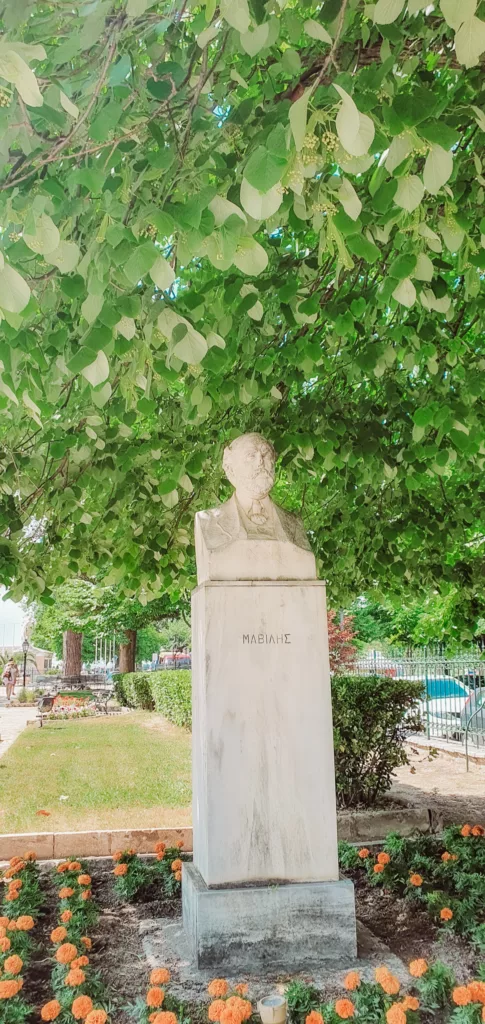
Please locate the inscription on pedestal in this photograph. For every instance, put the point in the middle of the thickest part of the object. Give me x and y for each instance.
(266, 638)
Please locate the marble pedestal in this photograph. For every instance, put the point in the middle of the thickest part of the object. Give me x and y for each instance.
(264, 814)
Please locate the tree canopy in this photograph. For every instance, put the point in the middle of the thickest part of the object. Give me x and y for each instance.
(244, 215)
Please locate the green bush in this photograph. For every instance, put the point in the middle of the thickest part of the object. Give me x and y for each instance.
(133, 689)
(371, 716)
(172, 694)
(168, 692)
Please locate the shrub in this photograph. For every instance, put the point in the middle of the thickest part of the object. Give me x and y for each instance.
(133, 689)
(371, 715)
(168, 692)
(172, 695)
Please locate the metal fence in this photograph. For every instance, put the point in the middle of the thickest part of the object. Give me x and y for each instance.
(452, 705)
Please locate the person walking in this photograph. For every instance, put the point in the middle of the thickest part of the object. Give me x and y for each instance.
(9, 677)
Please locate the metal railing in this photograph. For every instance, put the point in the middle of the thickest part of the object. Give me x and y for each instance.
(452, 703)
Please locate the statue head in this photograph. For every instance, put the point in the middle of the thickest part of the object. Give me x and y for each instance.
(249, 463)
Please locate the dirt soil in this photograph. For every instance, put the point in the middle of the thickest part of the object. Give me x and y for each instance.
(440, 781)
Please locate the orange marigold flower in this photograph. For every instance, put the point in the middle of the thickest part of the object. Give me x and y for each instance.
(66, 916)
(416, 880)
(12, 926)
(80, 961)
(25, 923)
(66, 953)
(178, 876)
(176, 865)
(117, 855)
(15, 860)
(344, 1008)
(352, 981)
(383, 858)
(446, 914)
(58, 934)
(396, 1014)
(161, 855)
(75, 977)
(446, 856)
(179, 844)
(12, 895)
(155, 996)
(230, 1015)
(4, 944)
(61, 868)
(84, 879)
(86, 895)
(454, 856)
(390, 985)
(215, 1009)
(241, 1007)
(218, 987)
(417, 968)
(120, 869)
(13, 964)
(242, 988)
(477, 991)
(74, 865)
(466, 830)
(81, 1007)
(410, 1003)
(478, 830)
(378, 869)
(50, 1010)
(159, 976)
(4, 922)
(9, 989)
(461, 995)
(381, 973)
(364, 853)
(65, 892)
(87, 942)
(30, 855)
(160, 847)
(97, 1017)
(165, 1017)
(314, 1017)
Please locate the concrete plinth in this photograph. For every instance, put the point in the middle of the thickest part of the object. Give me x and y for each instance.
(254, 928)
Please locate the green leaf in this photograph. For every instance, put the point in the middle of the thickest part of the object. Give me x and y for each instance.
(140, 262)
(437, 169)
(361, 247)
(386, 11)
(236, 13)
(97, 371)
(403, 266)
(298, 119)
(317, 31)
(264, 169)
(14, 291)
(160, 90)
(439, 133)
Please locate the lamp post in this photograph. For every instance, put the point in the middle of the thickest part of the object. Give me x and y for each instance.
(25, 648)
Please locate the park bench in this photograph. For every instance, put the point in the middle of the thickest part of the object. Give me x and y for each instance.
(102, 700)
(45, 704)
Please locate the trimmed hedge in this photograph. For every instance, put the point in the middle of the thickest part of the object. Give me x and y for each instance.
(371, 716)
(168, 692)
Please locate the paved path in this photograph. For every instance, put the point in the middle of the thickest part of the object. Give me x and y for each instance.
(12, 722)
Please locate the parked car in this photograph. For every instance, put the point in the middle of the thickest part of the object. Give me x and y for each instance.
(443, 705)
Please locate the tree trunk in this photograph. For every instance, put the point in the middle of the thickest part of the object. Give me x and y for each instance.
(127, 652)
(71, 652)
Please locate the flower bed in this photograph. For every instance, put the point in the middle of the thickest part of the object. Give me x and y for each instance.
(444, 875)
(70, 945)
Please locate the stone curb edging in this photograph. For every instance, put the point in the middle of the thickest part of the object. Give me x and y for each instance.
(100, 843)
(353, 826)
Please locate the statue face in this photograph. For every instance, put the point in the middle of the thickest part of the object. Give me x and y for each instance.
(249, 464)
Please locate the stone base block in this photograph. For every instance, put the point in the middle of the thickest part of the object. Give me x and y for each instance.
(291, 926)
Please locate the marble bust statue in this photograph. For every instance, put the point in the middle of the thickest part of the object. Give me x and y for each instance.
(249, 537)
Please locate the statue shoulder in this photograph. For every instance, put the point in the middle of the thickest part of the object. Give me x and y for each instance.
(294, 527)
(217, 525)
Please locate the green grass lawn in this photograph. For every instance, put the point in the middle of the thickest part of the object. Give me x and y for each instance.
(127, 771)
